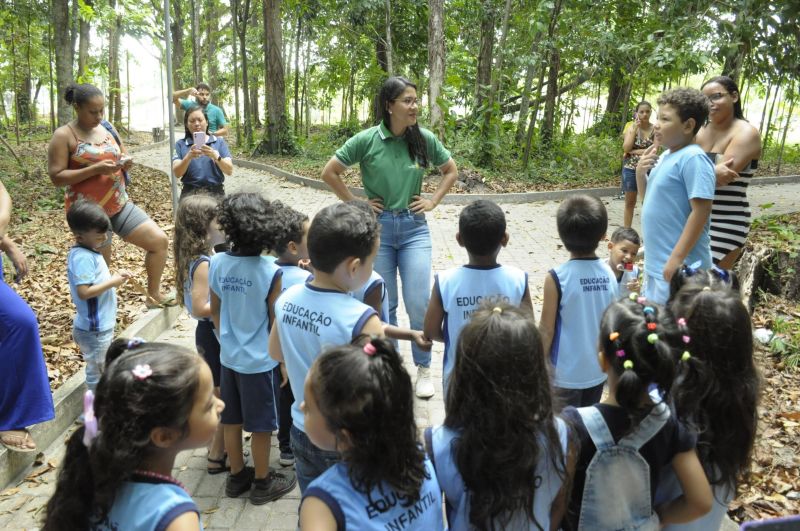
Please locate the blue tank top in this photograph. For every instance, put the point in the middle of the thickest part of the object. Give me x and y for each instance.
(463, 289)
(547, 476)
(146, 506)
(243, 284)
(187, 286)
(375, 282)
(586, 286)
(308, 320)
(383, 509)
(292, 275)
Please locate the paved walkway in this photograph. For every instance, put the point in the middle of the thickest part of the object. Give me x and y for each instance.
(534, 246)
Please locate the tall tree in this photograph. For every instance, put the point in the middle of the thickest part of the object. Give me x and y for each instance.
(241, 12)
(64, 56)
(277, 126)
(436, 62)
(552, 76)
(84, 30)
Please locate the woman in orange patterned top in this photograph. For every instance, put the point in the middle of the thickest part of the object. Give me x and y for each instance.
(86, 159)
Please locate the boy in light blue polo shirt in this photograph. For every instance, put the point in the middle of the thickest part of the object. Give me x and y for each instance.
(342, 243)
(244, 286)
(680, 191)
(576, 294)
(458, 292)
(92, 286)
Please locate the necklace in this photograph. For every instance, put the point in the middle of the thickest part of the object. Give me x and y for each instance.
(161, 477)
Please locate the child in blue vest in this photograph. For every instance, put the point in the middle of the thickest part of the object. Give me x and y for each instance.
(622, 248)
(343, 240)
(680, 190)
(576, 294)
(628, 438)
(244, 286)
(717, 389)
(153, 401)
(458, 292)
(359, 402)
(292, 252)
(501, 455)
(196, 229)
(92, 286)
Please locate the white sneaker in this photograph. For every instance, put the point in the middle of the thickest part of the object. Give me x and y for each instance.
(424, 386)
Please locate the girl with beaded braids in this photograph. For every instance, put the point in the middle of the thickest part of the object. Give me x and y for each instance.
(628, 438)
(717, 388)
(501, 455)
(153, 401)
(358, 400)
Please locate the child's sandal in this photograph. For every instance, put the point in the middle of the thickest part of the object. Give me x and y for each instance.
(218, 469)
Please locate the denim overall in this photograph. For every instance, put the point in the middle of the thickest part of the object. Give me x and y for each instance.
(616, 495)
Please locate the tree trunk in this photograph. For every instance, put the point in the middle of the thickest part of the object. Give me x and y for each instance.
(552, 78)
(768, 131)
(235, 18)
(764, 109)
(244, 16)
(212, 38)
(389, 49)
(195, 43)
(114, 96)
(254, 109)
(531, 126)
(786, 129)
(85, 28)
(297, 36)
(306, 104)
(63, 53)
(526, 91)
(50, 75)
(484, 70)
(277, 127)
(351, 111)
(74, 25)
(436, 64)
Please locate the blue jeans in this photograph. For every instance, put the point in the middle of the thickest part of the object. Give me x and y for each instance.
(93, 346)
(406, 245)
(309, 461)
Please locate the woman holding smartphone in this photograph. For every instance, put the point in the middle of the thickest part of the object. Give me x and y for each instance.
(88, 162)
(201, 160)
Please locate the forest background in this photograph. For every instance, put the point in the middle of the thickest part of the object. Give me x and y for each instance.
(529, 93)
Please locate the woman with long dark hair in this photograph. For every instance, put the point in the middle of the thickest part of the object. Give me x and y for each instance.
(734, 146)
(393, 156)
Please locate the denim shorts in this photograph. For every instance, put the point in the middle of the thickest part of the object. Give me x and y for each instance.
(629, 180)
(310, 461)
(251, 399)
(93, 347)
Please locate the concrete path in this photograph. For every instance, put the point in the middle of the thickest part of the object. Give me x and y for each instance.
(534, 247)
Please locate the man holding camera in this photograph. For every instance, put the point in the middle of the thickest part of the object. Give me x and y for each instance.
(217, 124)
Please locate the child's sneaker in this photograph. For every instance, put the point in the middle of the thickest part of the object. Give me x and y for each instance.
(272, 487)
(287, 458)
(239, 483)
(424, 386)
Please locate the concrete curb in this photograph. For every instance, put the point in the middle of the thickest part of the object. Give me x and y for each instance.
(464, 199)
(68, 399)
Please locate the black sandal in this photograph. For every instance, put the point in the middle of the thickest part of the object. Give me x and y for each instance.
(222, 466)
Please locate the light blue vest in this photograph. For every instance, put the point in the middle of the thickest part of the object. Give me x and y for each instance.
(292, 275)
(463, 289)
(375, 282)
(187, 286)
(585, 289)
(383, 510)
(243, 284)
(140, 506)
(547, 477)
(308, 320)
(87, 267)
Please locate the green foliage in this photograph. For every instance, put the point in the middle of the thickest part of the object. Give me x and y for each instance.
(786, 340)
(581, 158)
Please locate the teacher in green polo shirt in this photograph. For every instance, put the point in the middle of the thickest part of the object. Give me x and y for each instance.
(393, 156)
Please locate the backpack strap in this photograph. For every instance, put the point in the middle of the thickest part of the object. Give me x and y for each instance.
(597, 427)
(648, 427)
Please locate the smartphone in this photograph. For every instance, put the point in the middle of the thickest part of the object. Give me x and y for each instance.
(124, 159)
(199, 138)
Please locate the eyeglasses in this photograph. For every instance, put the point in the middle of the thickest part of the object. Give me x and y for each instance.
(717, 96)
(408, 102)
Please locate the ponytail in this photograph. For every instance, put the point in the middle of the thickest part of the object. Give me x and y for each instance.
(70, 507)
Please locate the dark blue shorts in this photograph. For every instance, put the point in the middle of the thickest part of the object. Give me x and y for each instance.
(207, 345)
(251, 399)
(629, 180)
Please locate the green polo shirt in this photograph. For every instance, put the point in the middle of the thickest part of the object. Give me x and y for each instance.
(214, 115)
(387, 170)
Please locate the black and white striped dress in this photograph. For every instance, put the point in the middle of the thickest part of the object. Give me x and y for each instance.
(730, 213)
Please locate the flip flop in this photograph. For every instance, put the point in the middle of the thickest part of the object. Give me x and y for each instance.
(151, 303)
(7, 438)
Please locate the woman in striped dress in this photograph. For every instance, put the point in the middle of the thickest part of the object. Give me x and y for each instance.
(734, 146)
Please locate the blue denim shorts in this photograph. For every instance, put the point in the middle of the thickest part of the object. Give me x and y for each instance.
(251, 399)
(310, 461)
(629, 180)
(93, 347)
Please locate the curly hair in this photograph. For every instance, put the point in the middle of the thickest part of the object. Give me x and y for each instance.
(251, 223)
(127, 409)
(638, 342)
(689, 103)
(371, 397)
(391, 89)
(293, 221)
(718, 387)
(195, 214)
(500, 402)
